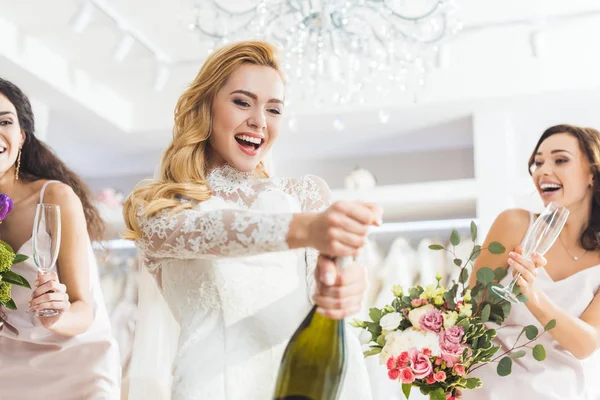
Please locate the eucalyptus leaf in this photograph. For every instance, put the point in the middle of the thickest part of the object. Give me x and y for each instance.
(436, 247)
(504, 366)
(496, 248)
(454, 238)
(475, 253)
(550, 325)
(518, 354)
(485, 276)
(531, 332)
(539, 352)
(500, 273)
(485, 313)
(457, 262)
(473, 231)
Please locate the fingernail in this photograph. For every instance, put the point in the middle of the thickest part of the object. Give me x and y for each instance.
(329, 278)
(320, 310)
(511, 261)
(512, 254)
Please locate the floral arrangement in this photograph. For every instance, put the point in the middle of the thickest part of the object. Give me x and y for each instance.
(435, 338)
(7, 259)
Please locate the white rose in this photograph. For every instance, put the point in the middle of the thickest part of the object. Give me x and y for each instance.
(400, 341)
(365, 336)
(390, 321)
(414, 316)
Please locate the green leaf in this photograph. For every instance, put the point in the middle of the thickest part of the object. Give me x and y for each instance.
(375, 314)
(485, 276)
(504, 366)
(437, 394)
(522, 298)
(464, 276)
(539, 352)
(10, 305)
(506, 307)
(485, 313)
(436, 247)
(473, 231)
(473, 383)
(19, 258)
(518, 354)
(531, 332)
(457, 262)
(500, 273)
(6, 245)
(406, 389)
(475, 253)
(550, 325)
(381, 340)
(15, 279)
(454, 238)
(372, 352)
(496, 248)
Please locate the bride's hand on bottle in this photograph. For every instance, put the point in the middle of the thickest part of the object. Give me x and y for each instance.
(339, 231)
(339, 291)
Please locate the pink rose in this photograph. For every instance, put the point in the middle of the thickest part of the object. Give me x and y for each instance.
(440, 376)
(426, 351)
(407, 376)
(432, 321)
(421, 365)
(438, 361)
(450, 345)
(430, 380)
(459, 369)
(417, 302)
(454, 334)
(393, 374)
(403, 360)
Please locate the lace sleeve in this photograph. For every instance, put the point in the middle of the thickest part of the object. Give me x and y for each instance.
(314, 197)
(193, 233)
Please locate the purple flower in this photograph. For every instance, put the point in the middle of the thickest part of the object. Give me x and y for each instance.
(6, 205)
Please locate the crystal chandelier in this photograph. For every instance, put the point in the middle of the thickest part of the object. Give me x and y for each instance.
(337, 52)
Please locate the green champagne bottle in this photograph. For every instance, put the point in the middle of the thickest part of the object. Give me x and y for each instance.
(314, 361)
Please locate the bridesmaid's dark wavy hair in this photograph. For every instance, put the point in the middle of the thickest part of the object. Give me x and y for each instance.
(39, 162)
(589, 143)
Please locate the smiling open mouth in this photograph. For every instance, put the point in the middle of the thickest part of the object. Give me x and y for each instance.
(550, 187)
(249, 141)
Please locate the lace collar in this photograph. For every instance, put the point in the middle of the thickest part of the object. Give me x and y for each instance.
(228, 177)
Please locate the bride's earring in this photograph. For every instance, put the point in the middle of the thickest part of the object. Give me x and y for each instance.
(18, 166)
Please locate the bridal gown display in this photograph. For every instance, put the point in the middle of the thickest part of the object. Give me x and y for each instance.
(236, 290)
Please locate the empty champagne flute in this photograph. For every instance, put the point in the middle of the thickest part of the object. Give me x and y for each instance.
(538, 239)
(46, 244)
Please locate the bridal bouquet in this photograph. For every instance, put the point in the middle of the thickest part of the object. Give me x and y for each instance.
(7, 259)
(434, 338)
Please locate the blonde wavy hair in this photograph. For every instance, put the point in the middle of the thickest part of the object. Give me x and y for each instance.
(184, 163)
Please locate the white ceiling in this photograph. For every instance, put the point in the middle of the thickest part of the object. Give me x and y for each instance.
(106, 119)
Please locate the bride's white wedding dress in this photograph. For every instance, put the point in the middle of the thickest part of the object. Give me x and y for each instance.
(236, 290)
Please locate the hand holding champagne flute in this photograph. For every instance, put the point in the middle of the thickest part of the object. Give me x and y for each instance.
(46, 244)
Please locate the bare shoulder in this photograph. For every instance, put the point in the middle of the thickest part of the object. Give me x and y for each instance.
(510, 226)
(61, 194)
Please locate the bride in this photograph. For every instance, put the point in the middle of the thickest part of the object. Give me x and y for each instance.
(231, 249)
